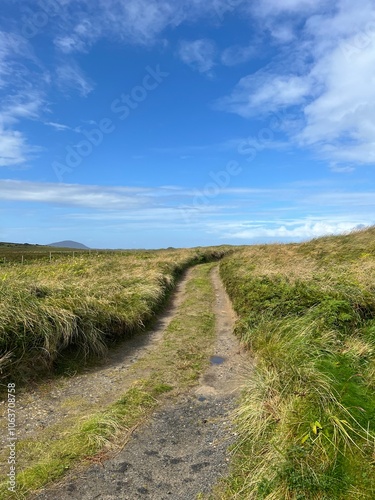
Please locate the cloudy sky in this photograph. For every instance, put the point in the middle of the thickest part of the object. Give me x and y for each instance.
(154, 123)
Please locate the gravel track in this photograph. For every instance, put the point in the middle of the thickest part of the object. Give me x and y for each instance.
(182, 450)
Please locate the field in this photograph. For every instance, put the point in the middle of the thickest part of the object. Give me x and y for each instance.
(307, 417)
(81, 304)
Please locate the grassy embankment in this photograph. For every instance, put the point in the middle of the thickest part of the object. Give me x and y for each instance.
(175, 365)
(78, 306)
(307, 417)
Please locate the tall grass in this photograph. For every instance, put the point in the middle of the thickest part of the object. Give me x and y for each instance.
(306, 420)
(82, 304)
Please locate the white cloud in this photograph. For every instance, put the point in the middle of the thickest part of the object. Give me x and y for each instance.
(25, 105)
(263, 92)
(60, 127)
(71, 77)
(142, 21)
(198, 54)
(72, 194)
(12, 47)
(274, 8)
(13, 148)
(342, 115)
(238, 54)
(21, 80)
(69, 44)
(295, 231)
(326, 74)
(283, 34)
(80, 38)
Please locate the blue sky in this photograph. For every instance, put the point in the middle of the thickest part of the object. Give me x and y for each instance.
(155, 123)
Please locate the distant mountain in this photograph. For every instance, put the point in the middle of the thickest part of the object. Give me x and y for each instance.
(69, 244)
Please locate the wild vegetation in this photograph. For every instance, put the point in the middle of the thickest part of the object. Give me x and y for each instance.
(82, 304)
(306, 420)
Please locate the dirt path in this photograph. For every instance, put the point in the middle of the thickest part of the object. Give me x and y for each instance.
(182, 450)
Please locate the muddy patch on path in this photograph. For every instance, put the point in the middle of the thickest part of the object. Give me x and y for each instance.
(183, 449)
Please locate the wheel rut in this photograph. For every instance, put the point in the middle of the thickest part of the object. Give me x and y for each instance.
(182, 450)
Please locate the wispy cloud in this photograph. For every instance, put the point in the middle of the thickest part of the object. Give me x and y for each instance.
(238, 54)
(13, 148)
(71, 77)
(72, 194)
(198, 54)
(80, 38)
(60, 127)
(264, 92)
(22, 105)
(273, 8)
(21, 83)
(12, 47)
(138, 21)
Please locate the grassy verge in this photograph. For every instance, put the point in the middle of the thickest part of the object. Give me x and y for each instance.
(82, 304)
(175, 365)
(307, 417)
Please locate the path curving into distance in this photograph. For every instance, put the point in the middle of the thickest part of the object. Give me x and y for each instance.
(182, 450)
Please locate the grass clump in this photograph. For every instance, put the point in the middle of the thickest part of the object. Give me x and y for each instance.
(306, 420)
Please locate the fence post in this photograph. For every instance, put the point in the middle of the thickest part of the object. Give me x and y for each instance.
(50, 256)
(21, 259)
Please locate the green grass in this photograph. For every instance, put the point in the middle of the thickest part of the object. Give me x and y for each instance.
(175, 365)
(79, 306)
(307, 417)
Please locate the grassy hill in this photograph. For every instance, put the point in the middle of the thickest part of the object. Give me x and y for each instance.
(69, 244)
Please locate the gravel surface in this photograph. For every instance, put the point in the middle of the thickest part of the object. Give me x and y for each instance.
(179, 454)
(183, 448)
